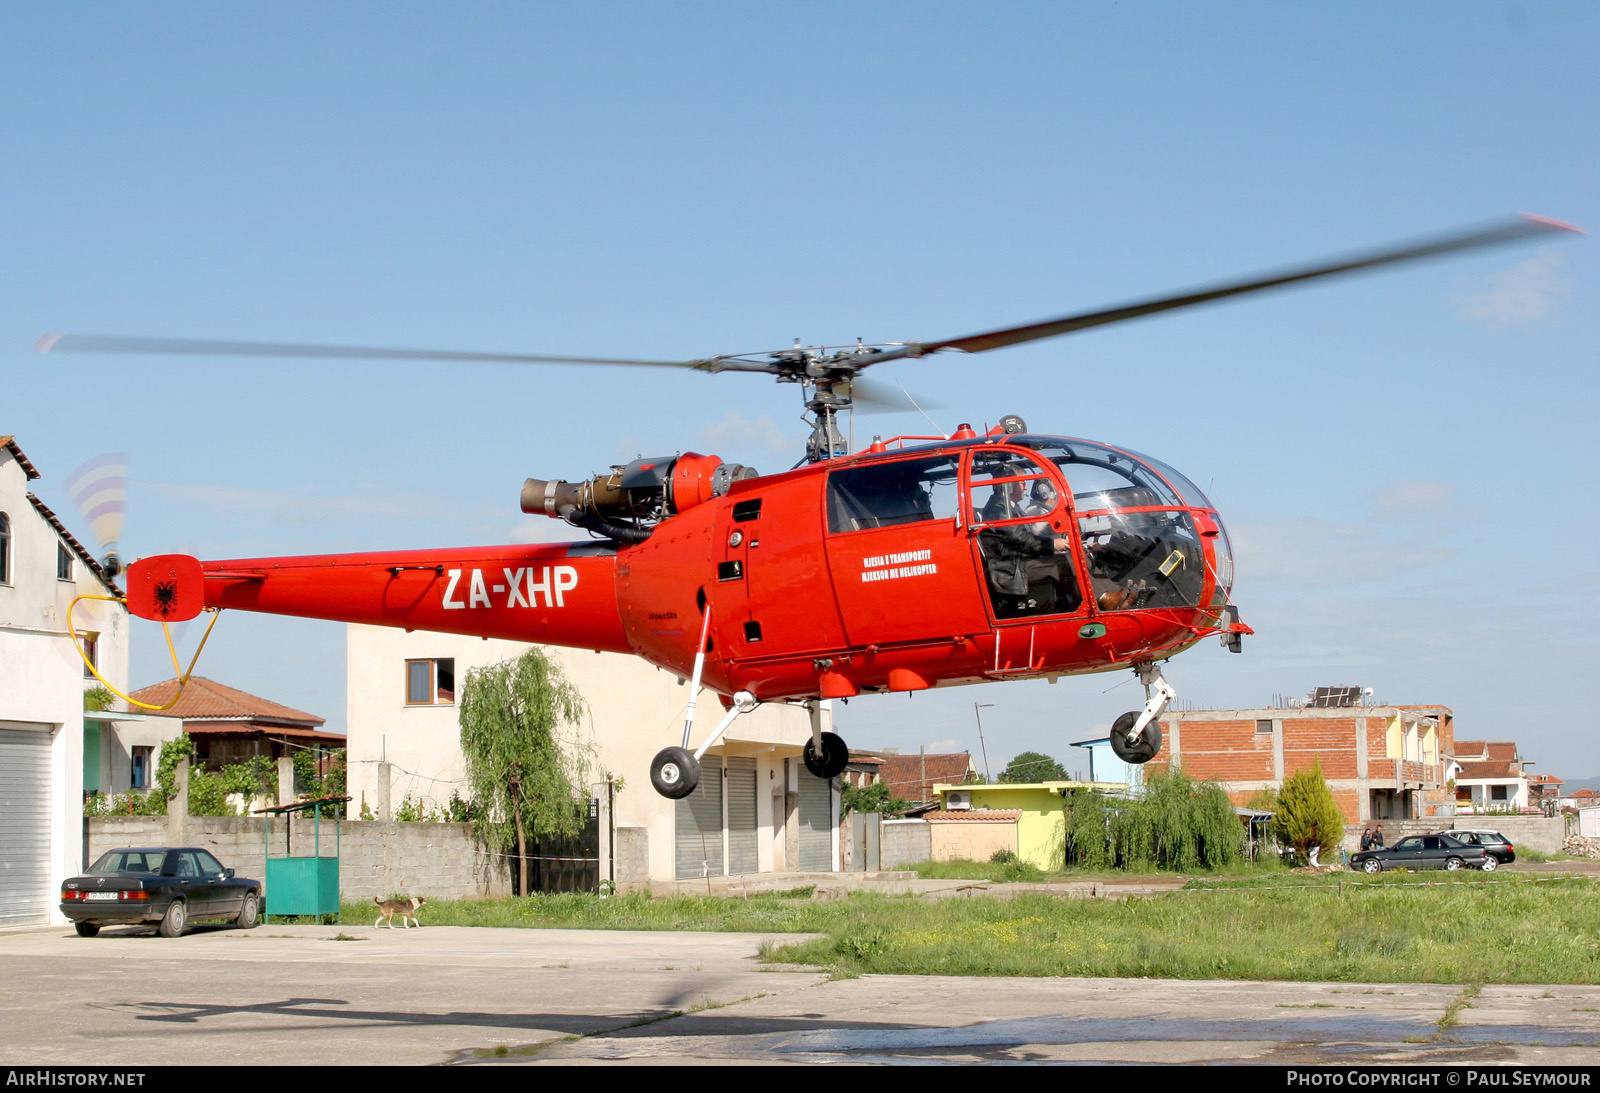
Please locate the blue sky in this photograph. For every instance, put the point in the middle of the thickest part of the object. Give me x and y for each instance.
(1406, 461)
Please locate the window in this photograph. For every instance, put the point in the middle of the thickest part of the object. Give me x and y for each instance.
(63, 562)
(91, 651)
(881, 495)
(431, 682)
(1264, 728)
(141, 768)
(5, 549)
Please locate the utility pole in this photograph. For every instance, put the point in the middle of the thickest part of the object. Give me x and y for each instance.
(976, 708)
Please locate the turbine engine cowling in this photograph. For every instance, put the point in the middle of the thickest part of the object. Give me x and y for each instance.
(645, 491)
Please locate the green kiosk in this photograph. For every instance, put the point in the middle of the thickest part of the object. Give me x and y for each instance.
(304, 884)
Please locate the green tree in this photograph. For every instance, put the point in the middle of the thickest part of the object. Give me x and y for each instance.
(874, 798)
(521, 778)
(1307, 816)
(1033, 766)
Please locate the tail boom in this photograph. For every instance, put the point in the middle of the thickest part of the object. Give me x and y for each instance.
(556, 594)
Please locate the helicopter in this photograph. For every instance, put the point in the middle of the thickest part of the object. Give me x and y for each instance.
(916, 562)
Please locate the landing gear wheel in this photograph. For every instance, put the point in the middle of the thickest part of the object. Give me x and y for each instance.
(86, 929)
(249, 912)
(1491, 863)
(1141, 751)
(173, 922)
(1372, 865)
(834, 758)
(674, 772)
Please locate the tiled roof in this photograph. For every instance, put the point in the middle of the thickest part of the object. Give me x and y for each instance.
(10, 443)
(913, 776)
(1585, 793)
(1489, 768)
(1505, 751)
(975, 815)
(207, 700)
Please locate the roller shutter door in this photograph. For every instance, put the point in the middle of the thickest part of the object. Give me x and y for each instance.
(25, 894)
(817, 833)
(743, 857)
(698, 838)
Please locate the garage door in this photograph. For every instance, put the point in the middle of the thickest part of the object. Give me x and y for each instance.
(743, 857)
(816, 823)
(698, 838)
(25, 826)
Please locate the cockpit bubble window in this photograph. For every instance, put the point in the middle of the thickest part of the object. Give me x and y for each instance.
(881, 495)
(1143, 559)
(1192, 494)
(1103, 478)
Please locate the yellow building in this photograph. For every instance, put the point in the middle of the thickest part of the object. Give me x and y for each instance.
(1026, 818)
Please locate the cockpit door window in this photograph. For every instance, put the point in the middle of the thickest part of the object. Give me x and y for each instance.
(1024, 538)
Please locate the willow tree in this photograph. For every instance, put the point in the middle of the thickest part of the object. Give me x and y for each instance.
(523, 777)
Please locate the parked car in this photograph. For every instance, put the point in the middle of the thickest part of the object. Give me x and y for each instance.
(1441, 851)
(1495, 845)
(169, 886)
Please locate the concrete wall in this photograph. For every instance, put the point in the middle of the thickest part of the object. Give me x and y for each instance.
(439, 861)
(1541, 833)
(631, 858)
(905, 842)
(976, 841)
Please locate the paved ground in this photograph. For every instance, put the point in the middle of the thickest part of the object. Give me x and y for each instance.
(300, 994)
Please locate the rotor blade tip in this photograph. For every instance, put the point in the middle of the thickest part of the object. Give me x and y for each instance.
(46, 343)
(1549, 224)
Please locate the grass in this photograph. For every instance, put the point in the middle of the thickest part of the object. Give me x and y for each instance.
(1284, 926)
(1507, 933)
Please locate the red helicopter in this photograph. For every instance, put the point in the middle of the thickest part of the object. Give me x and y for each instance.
(917, 562)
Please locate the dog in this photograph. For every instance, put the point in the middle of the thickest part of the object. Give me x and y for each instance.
(405, 908)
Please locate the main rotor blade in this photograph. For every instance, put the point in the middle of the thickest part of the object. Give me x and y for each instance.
(871, 397)
(1523, 227)
(110, 343)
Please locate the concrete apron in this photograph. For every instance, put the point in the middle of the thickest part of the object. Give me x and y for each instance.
(373, 996)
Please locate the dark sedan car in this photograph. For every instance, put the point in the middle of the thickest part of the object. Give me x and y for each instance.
(1495, 845)
(169, 886)
(1420, 852)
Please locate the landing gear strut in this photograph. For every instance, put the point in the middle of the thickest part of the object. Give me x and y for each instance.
(826, 755)
(676, 771)
(1136, 735)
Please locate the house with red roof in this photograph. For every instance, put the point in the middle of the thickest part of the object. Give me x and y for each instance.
(230, 726)
(1490, 777)
(1581, 798)
(913, 777)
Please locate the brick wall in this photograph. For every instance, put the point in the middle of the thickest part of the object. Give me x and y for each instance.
(1223, 751)
(1328, 740)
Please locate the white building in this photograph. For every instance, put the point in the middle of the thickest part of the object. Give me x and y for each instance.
(43, 760)
(757, 809)
(1491, 777)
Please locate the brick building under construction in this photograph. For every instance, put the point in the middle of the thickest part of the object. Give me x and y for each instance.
(1381, 762)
